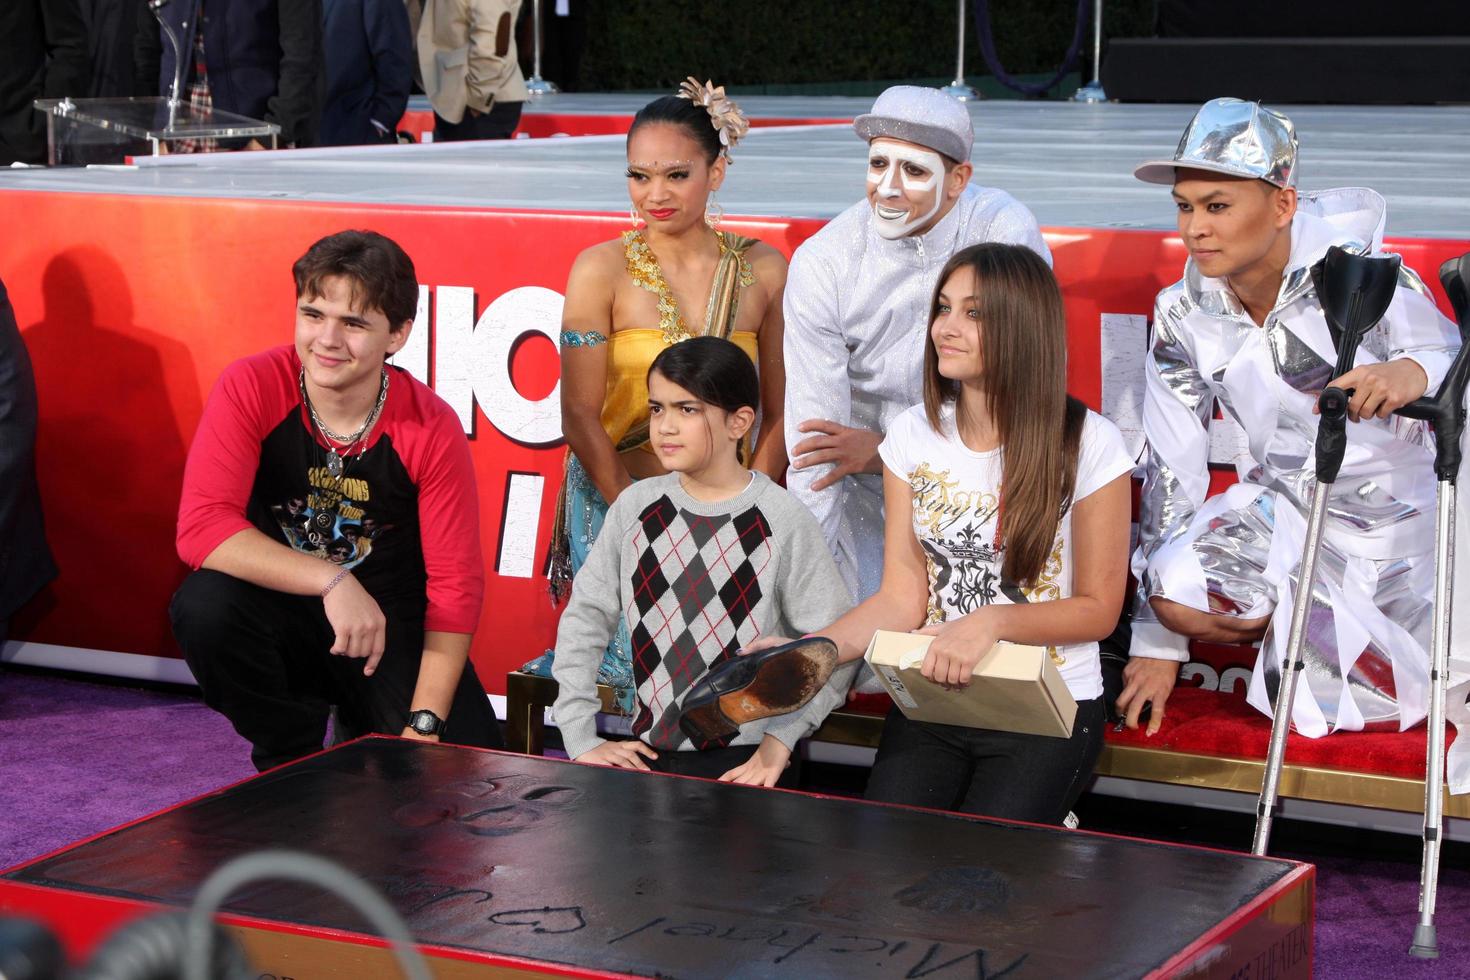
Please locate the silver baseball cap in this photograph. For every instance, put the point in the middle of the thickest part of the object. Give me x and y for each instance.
(925, 116)
(1232, 136)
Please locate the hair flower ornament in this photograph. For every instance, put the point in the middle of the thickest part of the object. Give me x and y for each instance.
(724, 114)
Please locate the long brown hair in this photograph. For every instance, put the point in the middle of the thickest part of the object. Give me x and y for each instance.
(1023, 346)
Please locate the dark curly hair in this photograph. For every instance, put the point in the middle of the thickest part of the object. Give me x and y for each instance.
(379, 273)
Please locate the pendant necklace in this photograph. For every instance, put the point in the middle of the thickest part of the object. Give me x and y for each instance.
(336, 461)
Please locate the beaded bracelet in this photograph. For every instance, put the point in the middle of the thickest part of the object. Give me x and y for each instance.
(333, 584)
(570, 338)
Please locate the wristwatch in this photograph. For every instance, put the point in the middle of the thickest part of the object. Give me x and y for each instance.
(425, 722)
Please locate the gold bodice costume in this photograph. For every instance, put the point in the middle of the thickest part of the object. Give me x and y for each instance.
(631, 351)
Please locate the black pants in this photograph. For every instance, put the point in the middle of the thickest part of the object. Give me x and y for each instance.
(1113, 652)
(263, 660)
(988, 773)
(714, 763)
(497, 124)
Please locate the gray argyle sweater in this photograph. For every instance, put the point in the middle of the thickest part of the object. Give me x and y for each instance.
(695, 582)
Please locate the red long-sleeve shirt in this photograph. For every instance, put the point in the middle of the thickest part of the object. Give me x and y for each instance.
(407, 523)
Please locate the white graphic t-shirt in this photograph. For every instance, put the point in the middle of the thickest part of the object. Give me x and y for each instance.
(956, 497)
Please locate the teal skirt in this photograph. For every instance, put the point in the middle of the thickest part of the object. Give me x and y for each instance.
(585, 513)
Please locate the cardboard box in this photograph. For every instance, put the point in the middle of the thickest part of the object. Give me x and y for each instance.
(1014, 688)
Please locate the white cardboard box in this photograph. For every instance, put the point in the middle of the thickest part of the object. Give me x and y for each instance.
(1014, 688)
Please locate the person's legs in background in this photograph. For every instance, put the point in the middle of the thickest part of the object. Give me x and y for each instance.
(497, 124)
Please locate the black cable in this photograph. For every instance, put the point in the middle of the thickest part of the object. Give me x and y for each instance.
(153, 949)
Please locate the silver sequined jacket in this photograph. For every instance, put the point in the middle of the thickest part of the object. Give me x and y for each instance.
(1207, 350)
(857, 311)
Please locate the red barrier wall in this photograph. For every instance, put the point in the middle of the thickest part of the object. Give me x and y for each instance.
(131, 307)
(541, 124)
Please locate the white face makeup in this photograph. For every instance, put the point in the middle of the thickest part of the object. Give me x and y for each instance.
(903, 186)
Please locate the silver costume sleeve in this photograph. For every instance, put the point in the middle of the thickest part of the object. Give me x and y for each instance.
(817, 385)
(1016, 225)
(1415, 329)
(1177, 403)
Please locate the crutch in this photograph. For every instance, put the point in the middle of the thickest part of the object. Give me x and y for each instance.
(1355, 291)
(1446, 412)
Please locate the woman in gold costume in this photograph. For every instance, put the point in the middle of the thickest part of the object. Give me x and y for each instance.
(672, 276)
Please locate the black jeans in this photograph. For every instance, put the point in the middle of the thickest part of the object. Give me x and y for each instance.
(714, 763)
(987, 773)
(497, 124)
(1113, 652)
(263, 660)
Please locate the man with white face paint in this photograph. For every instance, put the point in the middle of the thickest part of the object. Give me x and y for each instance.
(903, 181)
(857, 311)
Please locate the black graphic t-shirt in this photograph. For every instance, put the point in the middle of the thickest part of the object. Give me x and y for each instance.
(403, 516)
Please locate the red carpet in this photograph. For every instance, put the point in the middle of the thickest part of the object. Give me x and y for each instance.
(1210, 723)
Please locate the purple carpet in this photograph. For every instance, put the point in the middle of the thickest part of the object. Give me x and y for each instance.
(82, 757)
(1366, 911)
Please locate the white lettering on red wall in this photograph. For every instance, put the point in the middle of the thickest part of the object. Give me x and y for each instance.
(472, 367)
(1124, 354)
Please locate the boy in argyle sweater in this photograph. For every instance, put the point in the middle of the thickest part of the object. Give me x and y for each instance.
(700, 562)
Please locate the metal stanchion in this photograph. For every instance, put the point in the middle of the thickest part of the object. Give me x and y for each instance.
(173, 39)
(1093, 90)
(959, 88)
(536, 86)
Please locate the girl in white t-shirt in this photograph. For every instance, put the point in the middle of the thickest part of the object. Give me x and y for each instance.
(1007, 517)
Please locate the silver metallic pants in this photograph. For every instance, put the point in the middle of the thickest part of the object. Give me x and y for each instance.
(1368, 631)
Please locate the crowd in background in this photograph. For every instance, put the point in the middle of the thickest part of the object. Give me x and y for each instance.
(327, 72)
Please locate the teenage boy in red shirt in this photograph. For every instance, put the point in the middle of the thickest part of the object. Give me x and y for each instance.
(294, 604)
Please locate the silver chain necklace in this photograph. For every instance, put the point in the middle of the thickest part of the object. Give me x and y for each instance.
(335, 465)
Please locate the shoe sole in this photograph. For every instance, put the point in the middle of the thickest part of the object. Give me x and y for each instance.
(802, 669)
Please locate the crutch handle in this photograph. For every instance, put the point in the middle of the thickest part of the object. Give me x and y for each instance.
(1331, 443)
(1355, 292)
(1445, 409)
(1454, 275)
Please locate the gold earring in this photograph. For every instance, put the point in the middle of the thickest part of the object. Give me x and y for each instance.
(713, 213)
(633, 216)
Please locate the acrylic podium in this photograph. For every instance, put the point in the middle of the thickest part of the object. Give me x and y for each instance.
(103, 131)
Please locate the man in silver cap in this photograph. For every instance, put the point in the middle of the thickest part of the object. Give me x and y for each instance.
(857, 310)
(1244, 327)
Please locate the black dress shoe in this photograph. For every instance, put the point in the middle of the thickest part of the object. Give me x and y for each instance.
(742, 689)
